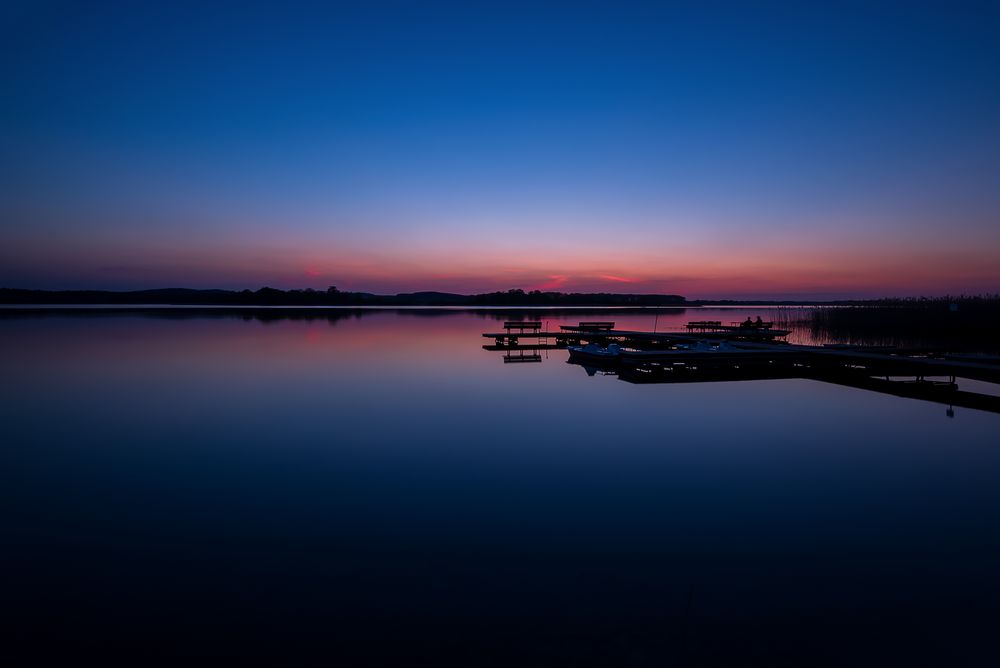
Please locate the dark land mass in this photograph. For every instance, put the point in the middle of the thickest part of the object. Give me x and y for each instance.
(332, 297)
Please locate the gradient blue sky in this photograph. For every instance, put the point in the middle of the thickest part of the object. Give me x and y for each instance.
(708, 149)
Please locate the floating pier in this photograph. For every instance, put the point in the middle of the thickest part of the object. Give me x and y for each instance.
(605, 332)
(708, 351)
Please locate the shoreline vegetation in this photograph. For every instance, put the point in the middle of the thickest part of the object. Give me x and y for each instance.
(969, 322)
(331, 297)
(267, 296)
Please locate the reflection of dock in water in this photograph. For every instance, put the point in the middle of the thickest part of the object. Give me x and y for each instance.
(521, 355)
(944, 391)
(711, 352)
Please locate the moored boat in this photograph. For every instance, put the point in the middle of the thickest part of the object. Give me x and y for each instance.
(596, 353)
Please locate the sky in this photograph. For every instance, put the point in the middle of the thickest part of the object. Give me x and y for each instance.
(709, 149)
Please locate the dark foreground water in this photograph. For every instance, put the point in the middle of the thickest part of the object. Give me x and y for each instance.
(378, 489)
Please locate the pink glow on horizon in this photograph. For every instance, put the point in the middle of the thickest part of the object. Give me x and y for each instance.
(555, 282)
(739, 268)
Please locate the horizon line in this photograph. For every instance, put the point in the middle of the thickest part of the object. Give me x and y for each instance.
(814, 297)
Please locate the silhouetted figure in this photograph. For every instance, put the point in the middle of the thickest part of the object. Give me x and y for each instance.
(748, 323)
(759, 324)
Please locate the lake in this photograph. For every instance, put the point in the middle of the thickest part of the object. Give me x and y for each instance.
(374, 487)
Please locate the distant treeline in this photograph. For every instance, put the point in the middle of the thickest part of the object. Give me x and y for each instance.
(330, 297)
(783, 302)
(987, 302)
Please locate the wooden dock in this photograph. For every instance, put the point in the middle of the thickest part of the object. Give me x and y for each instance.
(568, 334)
(731, 353)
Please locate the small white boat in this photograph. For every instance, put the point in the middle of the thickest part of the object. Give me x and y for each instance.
(592, 351)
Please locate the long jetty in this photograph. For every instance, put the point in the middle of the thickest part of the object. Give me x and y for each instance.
(514, 331)
(710, 351)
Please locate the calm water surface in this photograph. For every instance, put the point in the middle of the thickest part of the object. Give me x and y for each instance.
(378, 488)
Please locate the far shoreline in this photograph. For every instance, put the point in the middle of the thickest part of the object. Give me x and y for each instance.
(333, 298)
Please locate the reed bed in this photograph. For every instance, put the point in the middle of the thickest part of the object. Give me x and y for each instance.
(964, 323)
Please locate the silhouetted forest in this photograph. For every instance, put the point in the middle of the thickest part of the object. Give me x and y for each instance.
(330, 297)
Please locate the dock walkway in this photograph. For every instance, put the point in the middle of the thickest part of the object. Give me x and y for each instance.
(736, 353)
